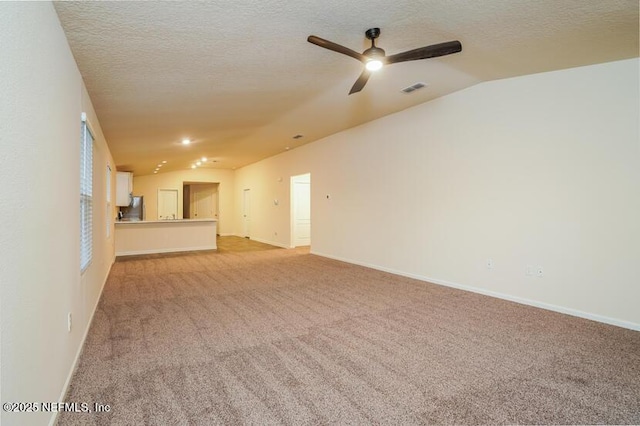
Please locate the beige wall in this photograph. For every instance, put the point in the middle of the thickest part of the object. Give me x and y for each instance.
(540, 170)
(40, 283)
(537, 170)
(148, 185)
(270, 180)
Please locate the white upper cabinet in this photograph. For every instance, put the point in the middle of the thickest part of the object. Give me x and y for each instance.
(124, 188)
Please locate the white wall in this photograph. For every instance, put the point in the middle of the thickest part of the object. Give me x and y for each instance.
(269, 180)
(540, 170)
(42, 96)
(148, 185)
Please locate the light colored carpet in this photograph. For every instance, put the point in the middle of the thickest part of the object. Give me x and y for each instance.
(275, 336)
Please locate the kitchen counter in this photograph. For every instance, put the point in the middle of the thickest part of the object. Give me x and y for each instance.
(164, 236)
(125, 222)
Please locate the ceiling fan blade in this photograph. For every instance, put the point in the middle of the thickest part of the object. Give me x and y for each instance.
(336, 47)
(432, 51)
(360, 82)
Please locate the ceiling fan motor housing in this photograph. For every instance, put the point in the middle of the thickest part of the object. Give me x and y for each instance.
(374, 52)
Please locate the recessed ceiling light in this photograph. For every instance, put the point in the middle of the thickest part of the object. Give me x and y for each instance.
(159, 165)
(204, 159)
(198, 163)
(164, 161)
(193, 166)
(186, 141)
(155, 172)
(286, 148)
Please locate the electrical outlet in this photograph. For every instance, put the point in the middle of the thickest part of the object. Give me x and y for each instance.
(529, 271)
(489, 263)
(69, 322)
(539, 271)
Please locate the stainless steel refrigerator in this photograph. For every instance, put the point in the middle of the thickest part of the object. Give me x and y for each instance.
(134, 211)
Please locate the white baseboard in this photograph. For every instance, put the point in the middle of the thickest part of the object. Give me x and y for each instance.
(511, 298)
(74, 365)
(272, 243)
(169, 250)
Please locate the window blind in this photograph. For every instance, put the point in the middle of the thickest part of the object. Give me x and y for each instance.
(86, 194)
(108, 190)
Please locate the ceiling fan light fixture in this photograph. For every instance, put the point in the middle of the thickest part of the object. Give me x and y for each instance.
(374, 64)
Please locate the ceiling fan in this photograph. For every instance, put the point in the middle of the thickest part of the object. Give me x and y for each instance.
(374, 57)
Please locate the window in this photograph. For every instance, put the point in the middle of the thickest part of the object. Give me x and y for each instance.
(86, 194)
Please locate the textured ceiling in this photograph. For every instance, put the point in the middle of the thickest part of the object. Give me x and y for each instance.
(240, 79)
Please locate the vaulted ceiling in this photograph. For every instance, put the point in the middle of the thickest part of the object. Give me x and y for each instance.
(240, 79)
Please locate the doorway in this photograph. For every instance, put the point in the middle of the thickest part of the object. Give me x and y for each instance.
(301, 210)
(200, 200)
(246, 213)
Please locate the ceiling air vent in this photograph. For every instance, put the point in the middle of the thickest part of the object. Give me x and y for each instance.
(414, 87)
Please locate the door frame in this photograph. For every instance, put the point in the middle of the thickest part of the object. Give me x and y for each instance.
(212, 190)
(301, 178)
(246, 207)
(216, 213)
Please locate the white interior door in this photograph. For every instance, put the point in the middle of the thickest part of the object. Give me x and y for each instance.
(246, 213)
(301, 210)
(204, 205)
(167, 204)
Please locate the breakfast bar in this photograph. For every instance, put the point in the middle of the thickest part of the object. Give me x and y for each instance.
(164, 236)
